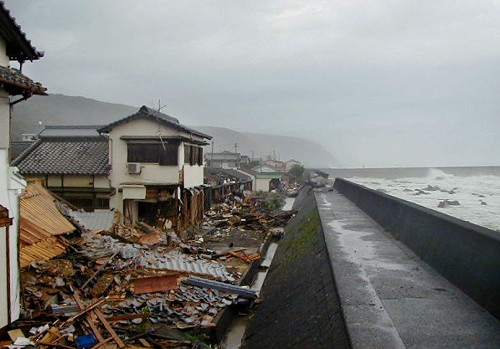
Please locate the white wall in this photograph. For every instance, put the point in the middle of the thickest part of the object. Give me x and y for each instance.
(10, 189)
(4, 120)
(262, 184)
(150, 173)
(3, 271)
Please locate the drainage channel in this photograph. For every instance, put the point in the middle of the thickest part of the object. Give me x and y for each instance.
(236, 331)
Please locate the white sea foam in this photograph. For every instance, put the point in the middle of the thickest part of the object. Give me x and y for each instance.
(478, 196)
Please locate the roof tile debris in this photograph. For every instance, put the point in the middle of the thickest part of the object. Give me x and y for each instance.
(70, 157)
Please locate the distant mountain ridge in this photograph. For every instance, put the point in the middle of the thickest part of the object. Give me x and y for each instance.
(58, 109)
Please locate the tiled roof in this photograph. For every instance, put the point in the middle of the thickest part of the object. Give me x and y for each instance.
(70, 131)
(65, 156)
(18, 46)
(16, 83)
(148, 113)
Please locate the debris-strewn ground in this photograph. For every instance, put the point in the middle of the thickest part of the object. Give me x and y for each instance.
(138, 286)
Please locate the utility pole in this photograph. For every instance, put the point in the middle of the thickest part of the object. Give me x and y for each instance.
(212, 157)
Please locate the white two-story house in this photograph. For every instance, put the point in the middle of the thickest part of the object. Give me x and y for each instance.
(156, 167)
(14, 87)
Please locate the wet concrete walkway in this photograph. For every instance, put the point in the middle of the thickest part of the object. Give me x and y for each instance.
(390, 298)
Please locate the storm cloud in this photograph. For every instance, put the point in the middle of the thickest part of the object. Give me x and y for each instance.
(378, 83)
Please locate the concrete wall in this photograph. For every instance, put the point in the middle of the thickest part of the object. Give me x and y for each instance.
(300, 307)
(466, 254)
(262, 184)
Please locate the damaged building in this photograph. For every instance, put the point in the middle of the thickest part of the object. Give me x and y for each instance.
(15, 87)
(147, 166)
(156, 167)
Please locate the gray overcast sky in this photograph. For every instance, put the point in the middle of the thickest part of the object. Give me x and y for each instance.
(378, 83)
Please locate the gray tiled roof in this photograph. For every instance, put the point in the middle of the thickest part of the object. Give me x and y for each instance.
(69, 131)
(70, 156)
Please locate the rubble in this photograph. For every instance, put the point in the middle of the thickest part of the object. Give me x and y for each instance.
(139, 286)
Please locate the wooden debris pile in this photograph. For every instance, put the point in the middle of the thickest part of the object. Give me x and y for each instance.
(127, 287)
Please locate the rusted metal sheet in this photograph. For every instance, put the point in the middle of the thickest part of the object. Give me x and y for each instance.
(41, 250)
(5, 221)
(155, 284)
(39, 209)
(40, 223)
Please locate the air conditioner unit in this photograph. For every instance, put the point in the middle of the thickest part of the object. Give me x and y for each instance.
(133, 168)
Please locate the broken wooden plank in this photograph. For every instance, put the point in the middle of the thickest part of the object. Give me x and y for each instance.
(90, 322)
(84, 311)
(127, 317)
(99, 270)
(108, 327)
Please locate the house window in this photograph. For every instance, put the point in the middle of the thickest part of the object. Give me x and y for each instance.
(148, 153)
(187, 154)
(200, 156)
(169, 154)
(165, 154)
(193, 155)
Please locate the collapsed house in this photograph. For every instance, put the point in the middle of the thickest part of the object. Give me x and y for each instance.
(99, 280)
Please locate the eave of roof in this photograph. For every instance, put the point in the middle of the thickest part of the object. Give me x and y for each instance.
(16, 83)
(19, 48)
(163, 138)
(151, 114)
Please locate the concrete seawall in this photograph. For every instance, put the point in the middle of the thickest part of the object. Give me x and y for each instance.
(466, 254)
(300, 307)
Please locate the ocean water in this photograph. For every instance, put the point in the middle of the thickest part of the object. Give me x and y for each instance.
(475, 198)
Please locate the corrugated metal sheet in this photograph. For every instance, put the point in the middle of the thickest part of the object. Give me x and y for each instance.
(40, 223)
(176, 261)
(98, 220)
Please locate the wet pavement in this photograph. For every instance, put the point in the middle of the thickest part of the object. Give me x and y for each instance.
(390, 298)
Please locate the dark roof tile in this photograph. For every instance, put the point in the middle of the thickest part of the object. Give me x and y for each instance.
(17, 83)
(70, 157)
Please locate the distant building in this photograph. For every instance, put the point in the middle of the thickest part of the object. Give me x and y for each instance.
(279, 165)
(14, 46)
(226, 159)
(265, 177)
(290, 163)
